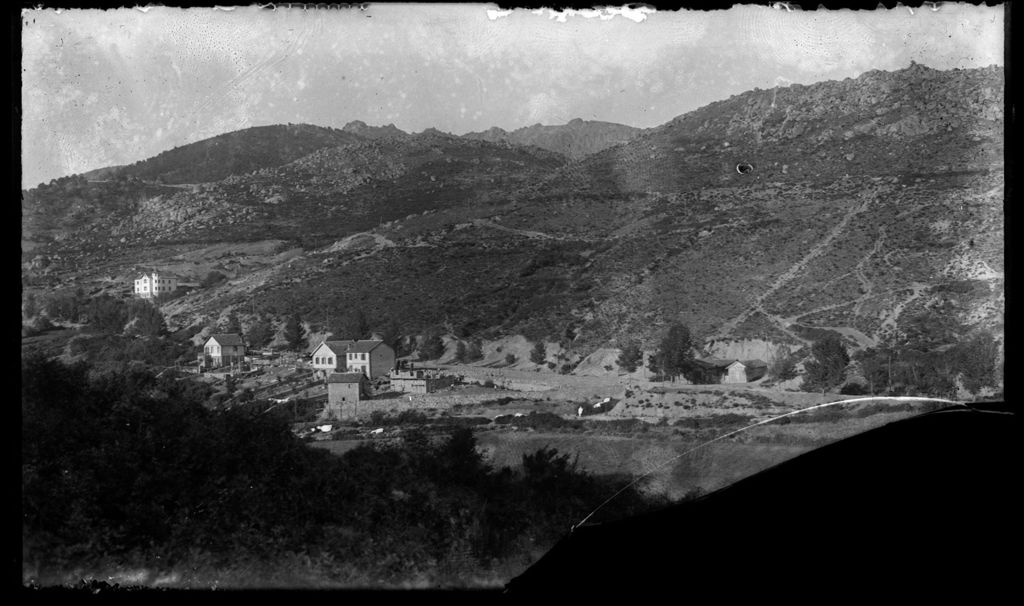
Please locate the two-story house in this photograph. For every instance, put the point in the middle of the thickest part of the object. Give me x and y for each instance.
(330, 356)
(152, 285)
(223, 350)
(372, 358)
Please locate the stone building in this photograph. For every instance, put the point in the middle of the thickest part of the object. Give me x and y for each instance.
(344, 392)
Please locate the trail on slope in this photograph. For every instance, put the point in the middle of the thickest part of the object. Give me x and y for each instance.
(890, 320)
(512, 230)
(794, 270)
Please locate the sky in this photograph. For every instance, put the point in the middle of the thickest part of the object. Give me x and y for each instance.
(104, 88)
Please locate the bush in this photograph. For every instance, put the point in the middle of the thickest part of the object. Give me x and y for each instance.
(853, 389)
(538, 354)
(629, 358)
(212, 279)
(510, 359)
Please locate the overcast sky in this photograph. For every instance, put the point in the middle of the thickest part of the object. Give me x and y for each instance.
(102, 88)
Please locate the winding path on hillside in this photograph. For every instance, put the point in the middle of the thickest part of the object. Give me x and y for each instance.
(794, 270)
(512, 230)
(890, 320)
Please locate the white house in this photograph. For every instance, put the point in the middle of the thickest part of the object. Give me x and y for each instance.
(223, 350)
(330, 356)
(372, 358)
(151, 285)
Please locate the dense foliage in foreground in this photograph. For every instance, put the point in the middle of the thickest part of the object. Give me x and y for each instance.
(128, 466)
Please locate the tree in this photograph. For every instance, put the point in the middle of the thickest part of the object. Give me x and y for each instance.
(353, 326)
(212, 279)
(828, 368)
(145, 319)
(474, 352)
(538, 354)
(630, 357)
(510, 359)
(675, 354)
(31, 307)
(654, 364)
(433, 346)
(294, 332)
(782, 366)
(391, 335)
(260, 333)
(460, 352)
(233, 325)
(978, 360)
(107, 314)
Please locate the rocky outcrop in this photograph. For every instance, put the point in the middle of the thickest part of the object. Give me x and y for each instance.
(575, 140)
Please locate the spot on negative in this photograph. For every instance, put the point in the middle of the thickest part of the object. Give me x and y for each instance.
(744, 168)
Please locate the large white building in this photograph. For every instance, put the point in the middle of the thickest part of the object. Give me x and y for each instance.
(370, 357)
(151, 285)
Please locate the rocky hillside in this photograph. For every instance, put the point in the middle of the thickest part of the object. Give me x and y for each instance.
(360, 128)
(575, 140)
(238, 153)
(916, 120)
(858, 207)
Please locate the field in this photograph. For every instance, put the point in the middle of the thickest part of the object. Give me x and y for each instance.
(663, 435)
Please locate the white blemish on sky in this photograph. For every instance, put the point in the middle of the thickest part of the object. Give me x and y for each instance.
(178, 76)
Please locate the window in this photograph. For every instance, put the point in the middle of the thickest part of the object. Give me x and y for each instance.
(362, 356)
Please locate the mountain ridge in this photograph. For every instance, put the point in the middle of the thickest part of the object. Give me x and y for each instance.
(871, 202)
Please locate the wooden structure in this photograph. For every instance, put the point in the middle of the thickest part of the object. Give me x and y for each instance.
(220, 350)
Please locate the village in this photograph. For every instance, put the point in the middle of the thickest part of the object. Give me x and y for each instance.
(341, 382)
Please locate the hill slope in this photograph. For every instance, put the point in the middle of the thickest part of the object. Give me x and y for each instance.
(237, 153)
(870, 204)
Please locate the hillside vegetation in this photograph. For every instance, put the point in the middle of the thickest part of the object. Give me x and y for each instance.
(870, 203)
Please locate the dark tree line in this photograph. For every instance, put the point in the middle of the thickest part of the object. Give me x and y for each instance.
(143, 472)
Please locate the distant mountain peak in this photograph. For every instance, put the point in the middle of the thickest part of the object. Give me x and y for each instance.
(358, 127)
(576, 139)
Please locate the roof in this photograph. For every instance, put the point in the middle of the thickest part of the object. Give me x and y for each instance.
(147, 274)
(345, 377)
(753, 363)
(226, 339)
(717, 363)
(364, 346)
(336, 347)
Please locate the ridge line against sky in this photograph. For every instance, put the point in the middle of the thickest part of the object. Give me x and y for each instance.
(105, 88)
